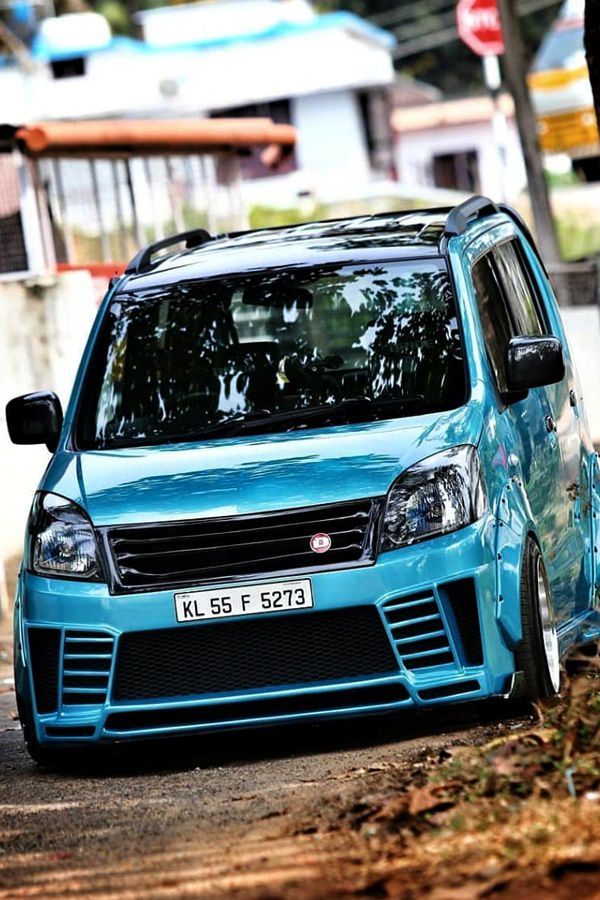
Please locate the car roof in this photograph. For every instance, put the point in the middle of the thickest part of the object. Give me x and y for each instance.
(397, 235)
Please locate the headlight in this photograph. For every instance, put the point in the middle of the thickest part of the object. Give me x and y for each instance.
(61, 539)
(438, 495)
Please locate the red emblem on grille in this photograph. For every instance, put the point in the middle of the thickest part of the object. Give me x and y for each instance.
(320, 543)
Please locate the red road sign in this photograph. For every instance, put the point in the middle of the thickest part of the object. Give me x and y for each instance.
(478, 24)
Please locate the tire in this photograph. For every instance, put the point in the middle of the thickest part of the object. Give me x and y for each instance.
(537, 656)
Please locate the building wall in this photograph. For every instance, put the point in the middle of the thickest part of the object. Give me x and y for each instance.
(43, 329)
(132, 81)
(331, 151)
(415, 151)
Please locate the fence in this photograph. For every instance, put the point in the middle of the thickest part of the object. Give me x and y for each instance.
(102, 209)
(93, 192)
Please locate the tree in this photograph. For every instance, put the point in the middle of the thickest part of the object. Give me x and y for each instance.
(592, 47)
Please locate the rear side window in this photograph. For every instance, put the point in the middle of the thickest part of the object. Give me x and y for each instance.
(518, 287)
(495, 318)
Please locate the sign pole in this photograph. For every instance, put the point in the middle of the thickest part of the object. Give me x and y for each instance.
(493, 82)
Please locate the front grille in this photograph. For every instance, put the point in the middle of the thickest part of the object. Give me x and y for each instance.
(87, 659)
(323, 701)
(418, 631)
(243, 655)
(201, 550)
(44, 649)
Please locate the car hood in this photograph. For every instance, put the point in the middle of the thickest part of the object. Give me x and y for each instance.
(253, 474)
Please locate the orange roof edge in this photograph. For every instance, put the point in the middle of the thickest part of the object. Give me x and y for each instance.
(128, 137)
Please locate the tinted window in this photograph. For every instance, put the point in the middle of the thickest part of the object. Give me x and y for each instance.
(173, 361)
(518, 289)
(495, 318)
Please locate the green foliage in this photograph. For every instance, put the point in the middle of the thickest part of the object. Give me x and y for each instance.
(577, 237)
(117, 15)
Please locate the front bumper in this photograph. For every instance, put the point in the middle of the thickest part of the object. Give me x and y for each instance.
(434, 604)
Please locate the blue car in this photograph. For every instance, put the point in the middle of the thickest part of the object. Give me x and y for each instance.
(325, 470)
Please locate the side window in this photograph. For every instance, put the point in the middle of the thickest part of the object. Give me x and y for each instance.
(518, 288)
(495, 316)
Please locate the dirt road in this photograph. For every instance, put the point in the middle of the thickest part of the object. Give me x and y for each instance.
(215, 817)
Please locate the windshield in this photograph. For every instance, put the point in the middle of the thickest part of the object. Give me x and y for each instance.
(274, 351)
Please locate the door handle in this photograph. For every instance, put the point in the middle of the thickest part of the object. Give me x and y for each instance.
(550, 424)
(572, 398)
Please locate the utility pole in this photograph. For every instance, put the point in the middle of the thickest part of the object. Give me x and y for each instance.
(515, 71)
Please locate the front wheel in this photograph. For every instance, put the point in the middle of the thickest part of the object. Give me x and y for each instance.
(537, 656)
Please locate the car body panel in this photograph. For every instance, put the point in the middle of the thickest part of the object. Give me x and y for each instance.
(254, 474)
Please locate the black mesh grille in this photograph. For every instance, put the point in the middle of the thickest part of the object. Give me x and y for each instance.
(44, 649)
(301, 648)
(177, 553)
(255, 709)
(463, 601)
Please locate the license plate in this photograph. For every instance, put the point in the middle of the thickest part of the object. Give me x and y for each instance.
(222, 603)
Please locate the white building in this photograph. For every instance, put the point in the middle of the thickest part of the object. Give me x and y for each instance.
(328, 75)
(457, 145)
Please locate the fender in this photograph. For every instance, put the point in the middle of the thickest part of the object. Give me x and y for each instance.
(514, 521)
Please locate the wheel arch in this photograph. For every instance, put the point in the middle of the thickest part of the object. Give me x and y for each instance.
(514, 525)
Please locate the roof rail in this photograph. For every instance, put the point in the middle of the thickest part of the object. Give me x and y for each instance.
(143, 260)
(462, 215)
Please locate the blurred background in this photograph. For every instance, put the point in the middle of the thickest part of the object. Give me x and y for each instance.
(123, 121)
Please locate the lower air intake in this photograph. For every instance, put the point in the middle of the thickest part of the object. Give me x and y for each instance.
(242, 655)
(323, 701)
(87, 659)
(418, 631)
(44, 650)
(463, 604)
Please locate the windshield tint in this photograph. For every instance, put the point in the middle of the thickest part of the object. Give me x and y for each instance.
(174, 362)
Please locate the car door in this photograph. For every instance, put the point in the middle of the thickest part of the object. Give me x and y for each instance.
(567, 549)
(530, 440)
(573, 529)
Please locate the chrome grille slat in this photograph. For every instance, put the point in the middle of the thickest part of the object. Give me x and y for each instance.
(187, 550)
(252, 526)
(228, 567)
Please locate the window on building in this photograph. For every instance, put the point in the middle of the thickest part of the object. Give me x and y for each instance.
(68, 68)
(375, 117)
(457, 171)
(251, 163)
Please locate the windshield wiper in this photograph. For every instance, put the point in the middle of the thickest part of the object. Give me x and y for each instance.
(329, 411)
(244, 423)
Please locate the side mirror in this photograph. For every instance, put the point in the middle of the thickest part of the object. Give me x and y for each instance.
(533, 362)
(35, 419)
